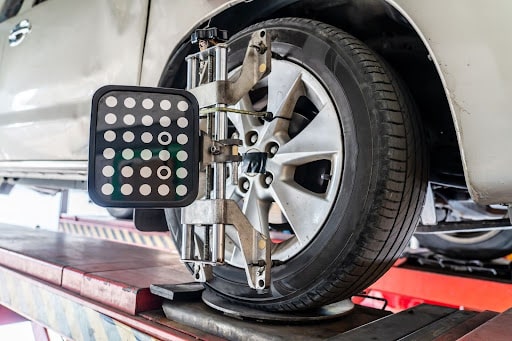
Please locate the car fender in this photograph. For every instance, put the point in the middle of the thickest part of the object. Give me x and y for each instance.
(467, 42)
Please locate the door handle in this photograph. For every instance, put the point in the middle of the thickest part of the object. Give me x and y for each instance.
(19, 32)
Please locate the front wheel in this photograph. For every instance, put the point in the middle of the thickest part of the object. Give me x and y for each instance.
(345, 176)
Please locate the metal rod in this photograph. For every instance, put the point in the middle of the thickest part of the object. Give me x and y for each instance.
(221, 133)
(188, 236)
(234, 165)
(191, 72)
(263, 114)
(187, 241)
(209, 131)
(207, 255)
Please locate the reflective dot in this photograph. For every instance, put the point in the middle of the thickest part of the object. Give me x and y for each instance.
(147, 120)
(182, 106)
(181, 190)
(146, 137)
(110, 118)
(164, 138)
(145, 172)
(182, 155)
(164, 155)
(129, 119)
(165, 121)
(128, 136)
(165, 105)
(145, 189)
(182, 122)
(146, 154)
(182, 139)
(111, 101)
(108, 171)
(127, 154)
(147, 103)
(126, 189)
(107, 189)
(129, 102)
(127, 171)
(109, 153)
(109, 135)
(163, 190)
(163, 172)
(181, 173)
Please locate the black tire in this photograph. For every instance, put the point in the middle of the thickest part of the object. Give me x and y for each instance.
(120, 213)
(469, 245)
(381, 191)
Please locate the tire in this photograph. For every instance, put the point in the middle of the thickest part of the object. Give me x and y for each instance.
(469, 245)
(347, 228)
(120, 213)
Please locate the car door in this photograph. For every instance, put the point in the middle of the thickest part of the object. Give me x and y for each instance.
(63, 52)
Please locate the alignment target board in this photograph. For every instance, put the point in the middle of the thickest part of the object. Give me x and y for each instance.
(143, 147)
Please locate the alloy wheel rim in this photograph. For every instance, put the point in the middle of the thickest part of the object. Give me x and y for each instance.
(304, 141)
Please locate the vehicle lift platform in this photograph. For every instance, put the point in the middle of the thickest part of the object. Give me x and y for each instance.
(92, 289)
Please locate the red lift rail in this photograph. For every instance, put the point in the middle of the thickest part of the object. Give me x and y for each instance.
(405, 286)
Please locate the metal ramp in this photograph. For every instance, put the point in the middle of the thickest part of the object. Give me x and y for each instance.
(90, 289)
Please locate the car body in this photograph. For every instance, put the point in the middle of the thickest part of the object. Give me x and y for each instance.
(74, 47)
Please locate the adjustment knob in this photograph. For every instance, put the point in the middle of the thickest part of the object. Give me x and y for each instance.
(212, 33)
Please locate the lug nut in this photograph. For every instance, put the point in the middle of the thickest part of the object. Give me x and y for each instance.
(272, 149)
(252, 138)
(244, 185)
(268, 179)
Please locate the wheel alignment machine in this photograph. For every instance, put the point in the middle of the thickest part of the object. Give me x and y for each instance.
(147, 148)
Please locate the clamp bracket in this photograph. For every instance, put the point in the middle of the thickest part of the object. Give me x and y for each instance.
(254, 245)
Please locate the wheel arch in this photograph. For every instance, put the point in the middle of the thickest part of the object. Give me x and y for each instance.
(388, 29)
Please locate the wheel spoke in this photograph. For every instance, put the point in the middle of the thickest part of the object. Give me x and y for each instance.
(236, 256)
(320, 140)
(303, 209)
(232, 191)
(284, 90)
(256, 210)
(233, 239)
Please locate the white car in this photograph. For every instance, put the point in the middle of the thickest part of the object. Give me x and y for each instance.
(378, 98)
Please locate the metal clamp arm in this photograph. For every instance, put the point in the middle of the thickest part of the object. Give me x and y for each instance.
(255, 246)
(256, 65)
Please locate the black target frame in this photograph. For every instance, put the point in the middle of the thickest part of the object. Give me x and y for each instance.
(109, 181)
